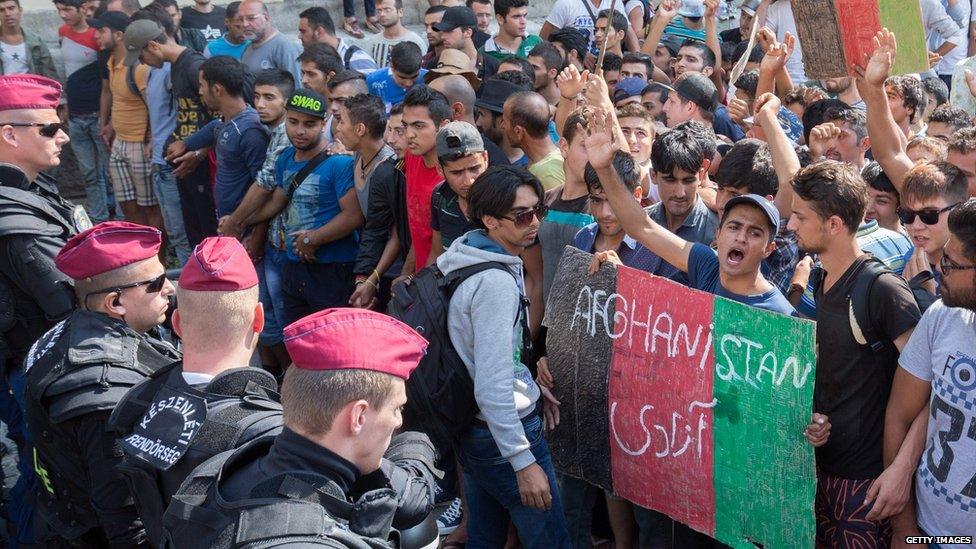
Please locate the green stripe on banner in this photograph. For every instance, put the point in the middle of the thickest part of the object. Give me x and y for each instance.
(764, 377)
(905, 20)
(569, 218)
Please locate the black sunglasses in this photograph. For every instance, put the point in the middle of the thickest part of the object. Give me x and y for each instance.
(929, 217)
(48, 129)
(946, 265)
(524, 219)
(152, 285)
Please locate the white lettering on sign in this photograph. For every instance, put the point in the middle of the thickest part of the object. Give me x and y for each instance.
(692, 425)
(754, 363)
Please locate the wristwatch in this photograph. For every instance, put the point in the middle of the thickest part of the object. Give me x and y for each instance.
(306, 240)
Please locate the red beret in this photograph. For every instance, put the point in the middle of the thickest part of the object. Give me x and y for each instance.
(354, 339)
(106, 247)
(219, 264)
(28, 91)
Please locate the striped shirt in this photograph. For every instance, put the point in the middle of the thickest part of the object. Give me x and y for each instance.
(631, 252)
(358, 60)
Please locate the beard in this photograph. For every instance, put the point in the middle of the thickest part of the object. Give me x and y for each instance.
(964, 298)
(310, 145)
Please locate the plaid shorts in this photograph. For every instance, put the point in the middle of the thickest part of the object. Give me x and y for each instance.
(131, 173)
(841, 512)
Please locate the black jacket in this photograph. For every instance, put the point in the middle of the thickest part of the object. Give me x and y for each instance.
(386, 208)
(76, 374)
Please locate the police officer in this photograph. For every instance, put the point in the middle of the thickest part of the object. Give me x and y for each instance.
(35, 222)
(322, 481)
(210, 402)
(79, 370)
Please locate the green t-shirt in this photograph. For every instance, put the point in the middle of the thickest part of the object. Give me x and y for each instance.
(549, 170)
(496, 51)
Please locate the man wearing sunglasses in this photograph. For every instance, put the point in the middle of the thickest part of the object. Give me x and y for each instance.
(505, 450)
(35, 222)
(79, 370)
(935, 378)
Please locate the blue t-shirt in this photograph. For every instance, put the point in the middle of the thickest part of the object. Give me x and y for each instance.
(703, 275)
(241, 145)
(315, 202)
(221, 46)
(381, 84)
(162, 110)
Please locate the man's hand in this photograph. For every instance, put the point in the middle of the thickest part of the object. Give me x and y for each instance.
(711, 8)
(599, 140)
(550, 409)
(597, 92)
(801, 274)
(971, 82)
(599, 258)
(305, 245)
(739, 111)
(777, 55)
(364, 296)
(766, 39)
(890, 491)
(818, 431)
(668, 10)
(227, 226)
(175, 150)
(570, 82)
(877, 66)
(336, 147)
(544, 376)
(934, 59)
(823, 139)
(254, 245)
(811, 95)
(534, 487)
(107, 133)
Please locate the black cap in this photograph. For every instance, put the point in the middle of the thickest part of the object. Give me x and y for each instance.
(494, 92)
(115, 20)
(308, 102)
(697, 88)
(454, 17)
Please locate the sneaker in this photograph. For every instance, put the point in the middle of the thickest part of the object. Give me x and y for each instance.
(450, 519)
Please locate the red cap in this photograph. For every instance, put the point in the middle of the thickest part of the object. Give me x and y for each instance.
(354, 339)
(106, 247)
(28, 91)
(218, 264)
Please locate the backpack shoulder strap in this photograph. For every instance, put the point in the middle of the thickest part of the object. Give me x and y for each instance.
(306, 170)
(347, 57)
(130, 81)
(453, 280)
(860, 302)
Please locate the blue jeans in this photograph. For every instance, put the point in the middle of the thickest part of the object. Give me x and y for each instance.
(493, 493)
(92, 158)
(20, 511)
(349, 8)
(168, 195)
(578, 498)
(271, 296)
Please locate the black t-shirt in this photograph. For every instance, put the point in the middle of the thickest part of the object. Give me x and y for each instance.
(853, 381)
(446, 215)
(185, 77)
(731, 36)
(496, 156)
(479, 38)
(210, 24)
(84, 86)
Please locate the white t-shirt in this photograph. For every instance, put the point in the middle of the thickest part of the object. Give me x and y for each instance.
(379, 46)
(779, 19)
(572, 13)
(14, 58)
(942, 350)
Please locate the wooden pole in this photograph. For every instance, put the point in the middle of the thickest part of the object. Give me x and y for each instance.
(606, 36)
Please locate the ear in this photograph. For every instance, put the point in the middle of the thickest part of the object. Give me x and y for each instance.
(703, 172)
(639, 193)
(360, 129)
(707, 71)
(257, 324)
(490, 223)
(8, 135)
(457, 110)
(553, 73)
(177, 322)
(499, 19)
(563, 147)
(357, 416)
(112, 303)
(865, 144)
(770, 248)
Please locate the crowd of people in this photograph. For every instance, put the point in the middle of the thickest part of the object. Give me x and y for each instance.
(306, 186)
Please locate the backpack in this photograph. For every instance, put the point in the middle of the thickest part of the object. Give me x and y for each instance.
(440, 392)
(347, 57)
(862, 323)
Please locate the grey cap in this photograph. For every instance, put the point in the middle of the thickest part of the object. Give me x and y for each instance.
(459, 139)
(138, 35)
(767, 207)
(750, 7)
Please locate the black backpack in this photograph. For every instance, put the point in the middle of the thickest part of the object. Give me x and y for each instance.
(440, 392)
(859, 296)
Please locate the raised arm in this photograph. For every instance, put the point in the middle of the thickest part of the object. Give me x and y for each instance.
(600, 149)
(785, 161)
(665, 13)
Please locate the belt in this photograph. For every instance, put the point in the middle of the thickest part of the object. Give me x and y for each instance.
(536, 411)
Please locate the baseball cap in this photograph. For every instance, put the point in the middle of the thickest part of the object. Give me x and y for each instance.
(494, 92)
(697, 88)
(138, 35)
(628, 87)
(308, 102)
(772, 214)
(692, 8)
(115, 20)
(454, 17)
(750, 7)
(459, 139)
(671, 42)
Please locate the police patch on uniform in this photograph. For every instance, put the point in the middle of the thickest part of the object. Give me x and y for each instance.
(164, 433)
(80, 218)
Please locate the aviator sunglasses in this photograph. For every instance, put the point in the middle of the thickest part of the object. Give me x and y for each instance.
(48, 129)
(152, 285)
(524, 219)
(929, 217)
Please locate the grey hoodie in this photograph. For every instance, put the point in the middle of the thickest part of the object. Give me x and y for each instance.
(503, 386)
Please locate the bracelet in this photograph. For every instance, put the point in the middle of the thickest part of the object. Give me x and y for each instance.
(371, 283)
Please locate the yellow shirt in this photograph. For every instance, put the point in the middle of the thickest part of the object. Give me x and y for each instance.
(549, 170)
(130, 117)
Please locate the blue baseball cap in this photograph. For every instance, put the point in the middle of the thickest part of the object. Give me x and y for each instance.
(772, 214)
(628, 87)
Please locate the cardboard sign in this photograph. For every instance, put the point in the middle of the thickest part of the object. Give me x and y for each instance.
(837, 34)
(705, 401)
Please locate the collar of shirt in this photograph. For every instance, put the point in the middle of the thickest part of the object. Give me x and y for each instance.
(197, 378)
(698, 211)
(867, 228)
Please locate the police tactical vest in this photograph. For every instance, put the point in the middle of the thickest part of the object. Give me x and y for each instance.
(168, 428)
(83, 365)
(291, 509)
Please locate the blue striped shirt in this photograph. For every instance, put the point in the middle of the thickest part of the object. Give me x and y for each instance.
(631, 252)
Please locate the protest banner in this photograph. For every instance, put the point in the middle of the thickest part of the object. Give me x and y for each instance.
(700, 402)
(837, 34)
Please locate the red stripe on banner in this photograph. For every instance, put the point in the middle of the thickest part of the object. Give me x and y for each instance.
(661, 439)
(859, 21)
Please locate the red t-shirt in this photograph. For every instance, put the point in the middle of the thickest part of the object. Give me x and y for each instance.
(421, 181)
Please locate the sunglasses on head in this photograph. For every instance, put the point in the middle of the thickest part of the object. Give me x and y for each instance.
(48, 129)
(153, 285)
(524, 219)
(929, 217)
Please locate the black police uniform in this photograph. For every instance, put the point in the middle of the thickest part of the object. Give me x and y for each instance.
(35, 223)
(288, 490)
(76, 374)
(168, 428)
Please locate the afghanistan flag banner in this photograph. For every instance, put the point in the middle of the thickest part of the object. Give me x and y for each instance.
(684, 402)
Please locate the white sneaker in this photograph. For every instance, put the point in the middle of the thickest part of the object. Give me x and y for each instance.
(450, 519)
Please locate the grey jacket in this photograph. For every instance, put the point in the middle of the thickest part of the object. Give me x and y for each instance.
(39, 60)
